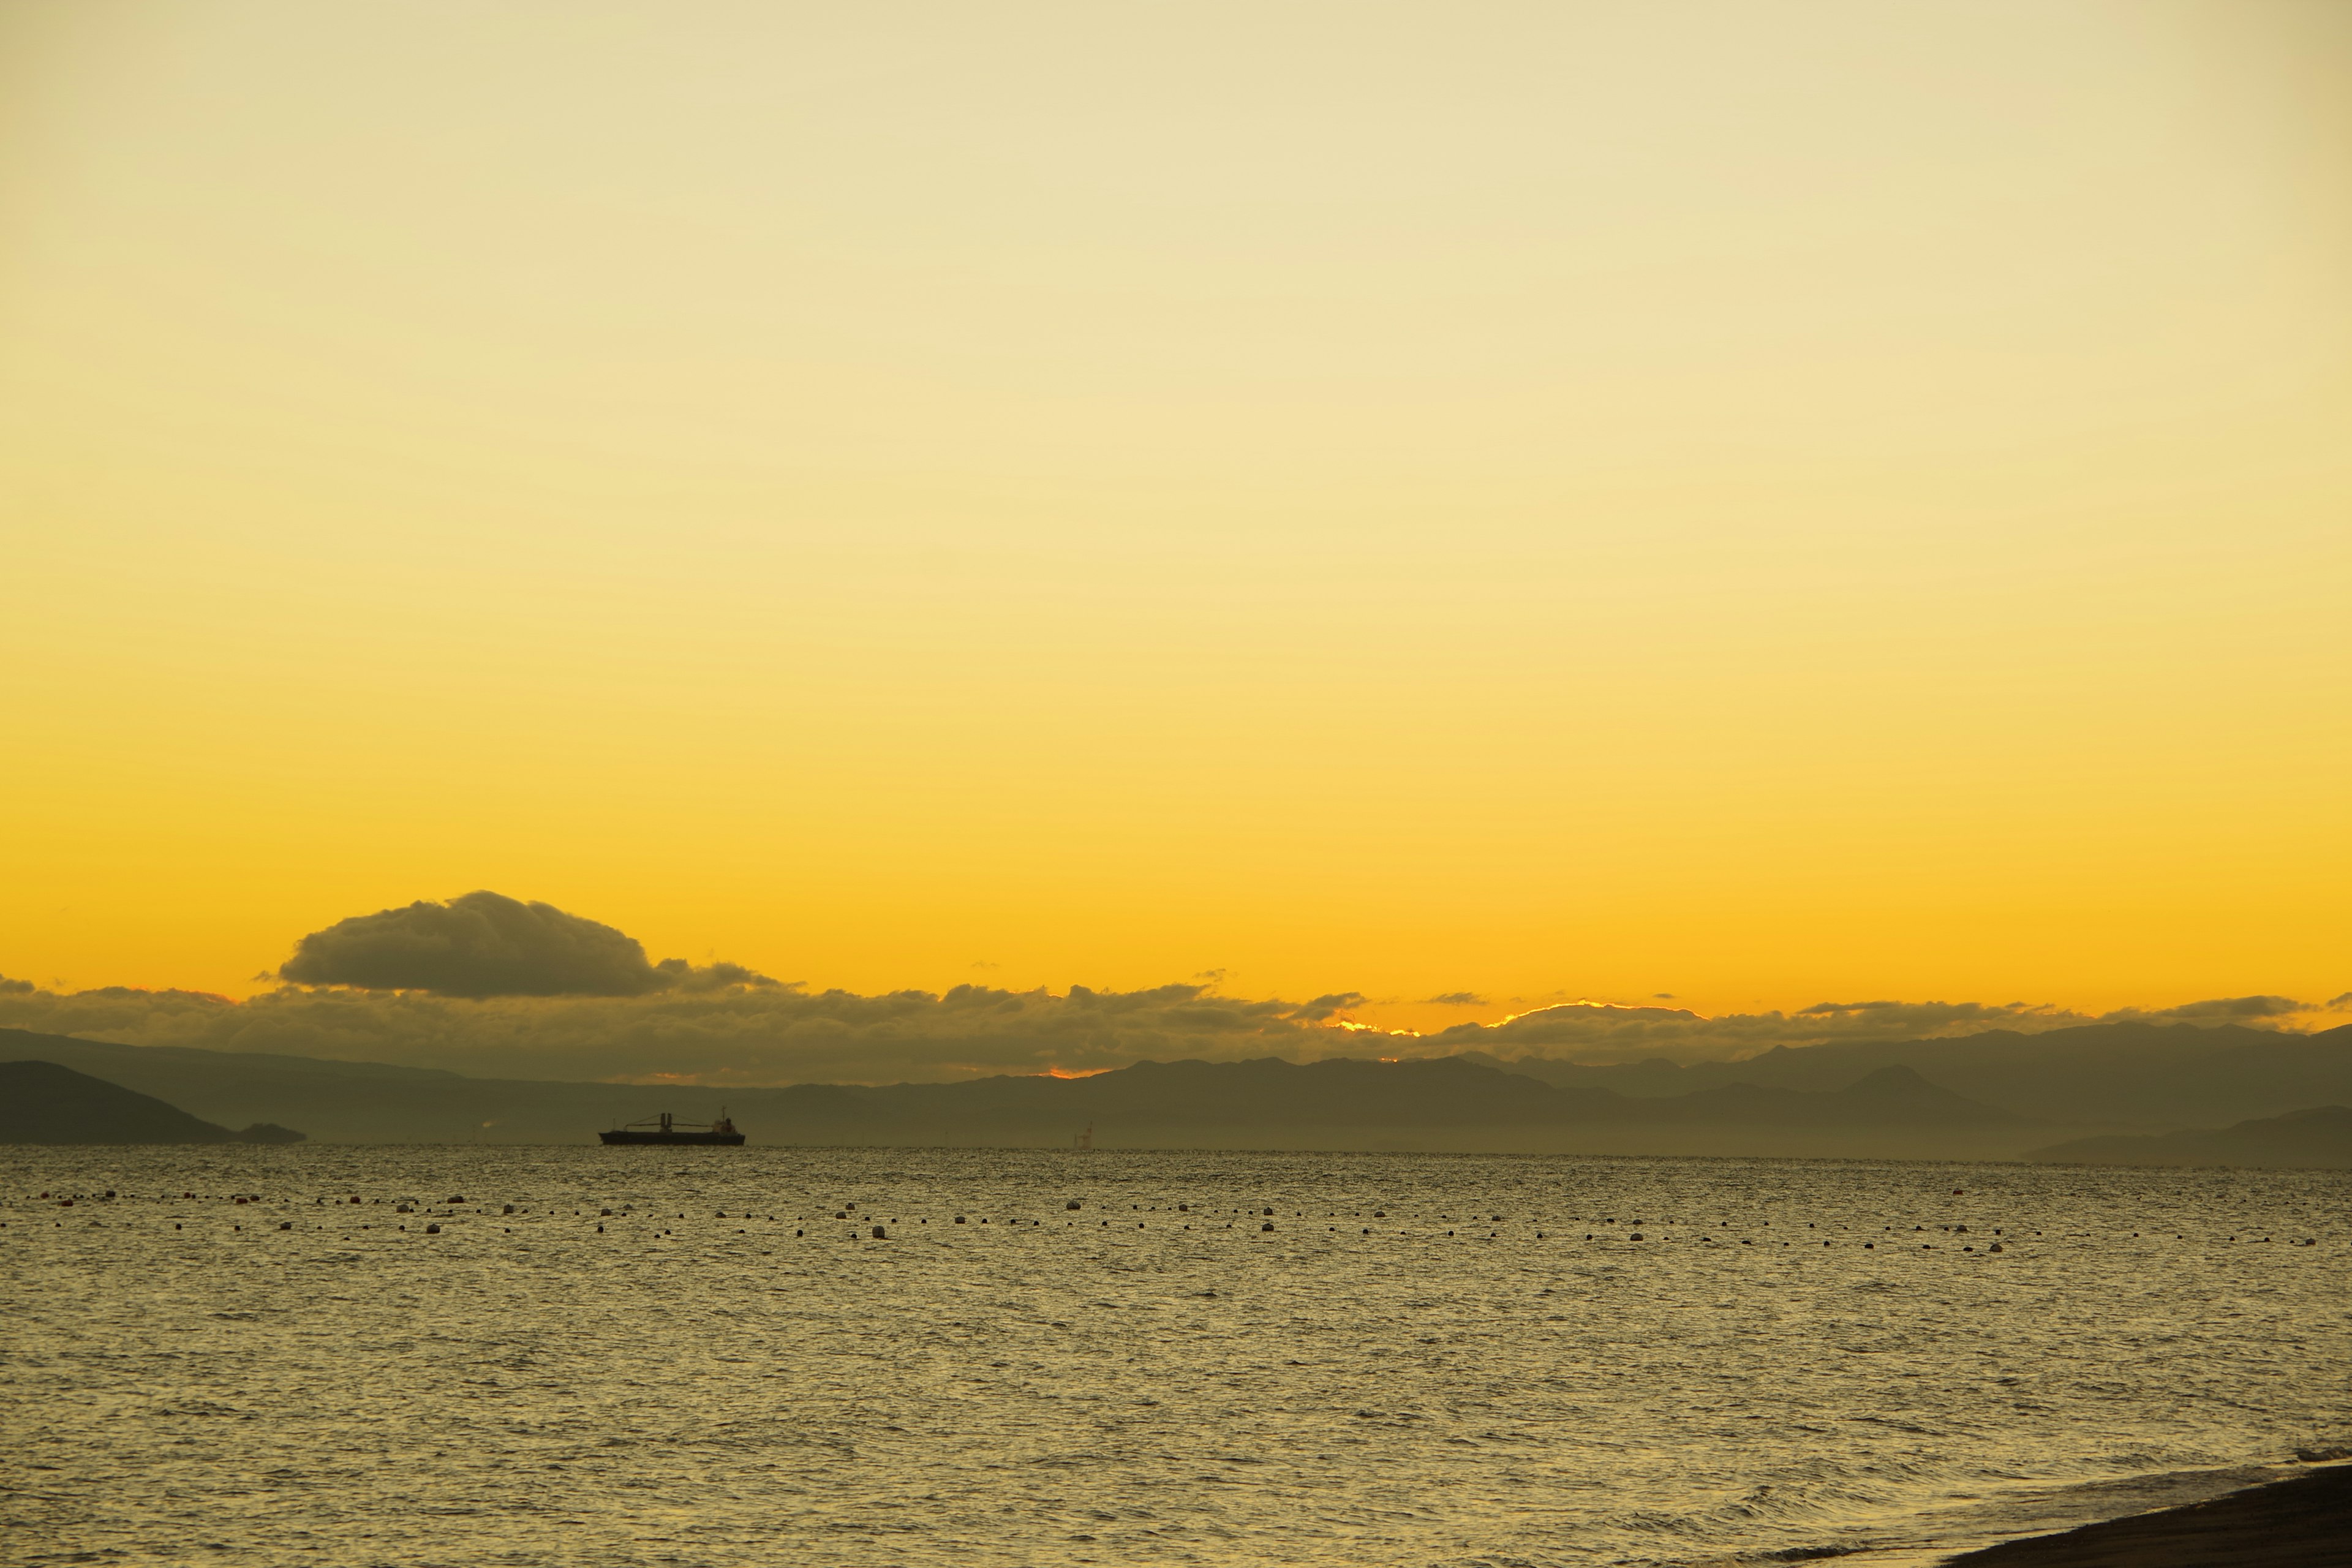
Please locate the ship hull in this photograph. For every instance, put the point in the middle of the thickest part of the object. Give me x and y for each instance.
(721, 1140)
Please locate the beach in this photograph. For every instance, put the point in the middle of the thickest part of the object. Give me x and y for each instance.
(2305, 1521)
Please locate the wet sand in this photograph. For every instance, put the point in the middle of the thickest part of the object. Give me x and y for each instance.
(2302, 1522)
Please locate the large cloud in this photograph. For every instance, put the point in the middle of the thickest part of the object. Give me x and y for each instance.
(486, 944)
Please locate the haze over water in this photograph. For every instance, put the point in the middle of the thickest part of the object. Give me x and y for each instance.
(1786, 1359)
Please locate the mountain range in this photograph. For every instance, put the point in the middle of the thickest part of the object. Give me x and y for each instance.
(2123, 1077)
(1993, 1095)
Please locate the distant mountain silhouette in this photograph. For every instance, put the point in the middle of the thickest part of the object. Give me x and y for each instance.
(43, 1102)
(2123, 1075)
(2320, 1137)
(1890, 1097)
(1443, 1103)
(1992, 1095)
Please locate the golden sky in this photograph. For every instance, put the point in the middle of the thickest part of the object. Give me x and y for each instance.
(1763, 503)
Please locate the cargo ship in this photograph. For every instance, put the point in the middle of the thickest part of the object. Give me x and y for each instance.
(665, 1129)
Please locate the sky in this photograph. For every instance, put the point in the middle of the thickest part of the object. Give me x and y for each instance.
(1724, 506)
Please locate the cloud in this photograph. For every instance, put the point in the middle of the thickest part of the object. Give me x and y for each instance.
(485, 944)
(733, 1034)
(2218, 1010)
(1601, 1032)
(721, 1024)
(2339, 1004)
(1454, 999)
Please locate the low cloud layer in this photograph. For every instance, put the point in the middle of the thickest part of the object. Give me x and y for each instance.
(745, 1033)
(495, 987)
(751, 1034)
(486, 944)
(1600, 1032)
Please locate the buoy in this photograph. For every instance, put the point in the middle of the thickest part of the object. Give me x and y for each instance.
(1267, 1226)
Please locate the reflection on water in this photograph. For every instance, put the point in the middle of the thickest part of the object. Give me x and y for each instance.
(1425, 1360)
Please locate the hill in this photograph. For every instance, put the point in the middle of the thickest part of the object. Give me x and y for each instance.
(43, 1102)
(2320, 1138)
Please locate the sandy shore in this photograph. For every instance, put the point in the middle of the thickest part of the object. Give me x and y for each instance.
(2302, 1522)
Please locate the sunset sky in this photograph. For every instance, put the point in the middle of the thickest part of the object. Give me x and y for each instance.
(1762, 504)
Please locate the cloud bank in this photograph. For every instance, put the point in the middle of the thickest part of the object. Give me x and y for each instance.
(743, 1033)
(496, 988)
(1600, 1033)
(747, 1033)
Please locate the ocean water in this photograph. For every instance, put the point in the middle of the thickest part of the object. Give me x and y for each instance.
(1426, 1360)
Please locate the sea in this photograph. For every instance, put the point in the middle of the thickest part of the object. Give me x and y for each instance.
(584, 1355)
